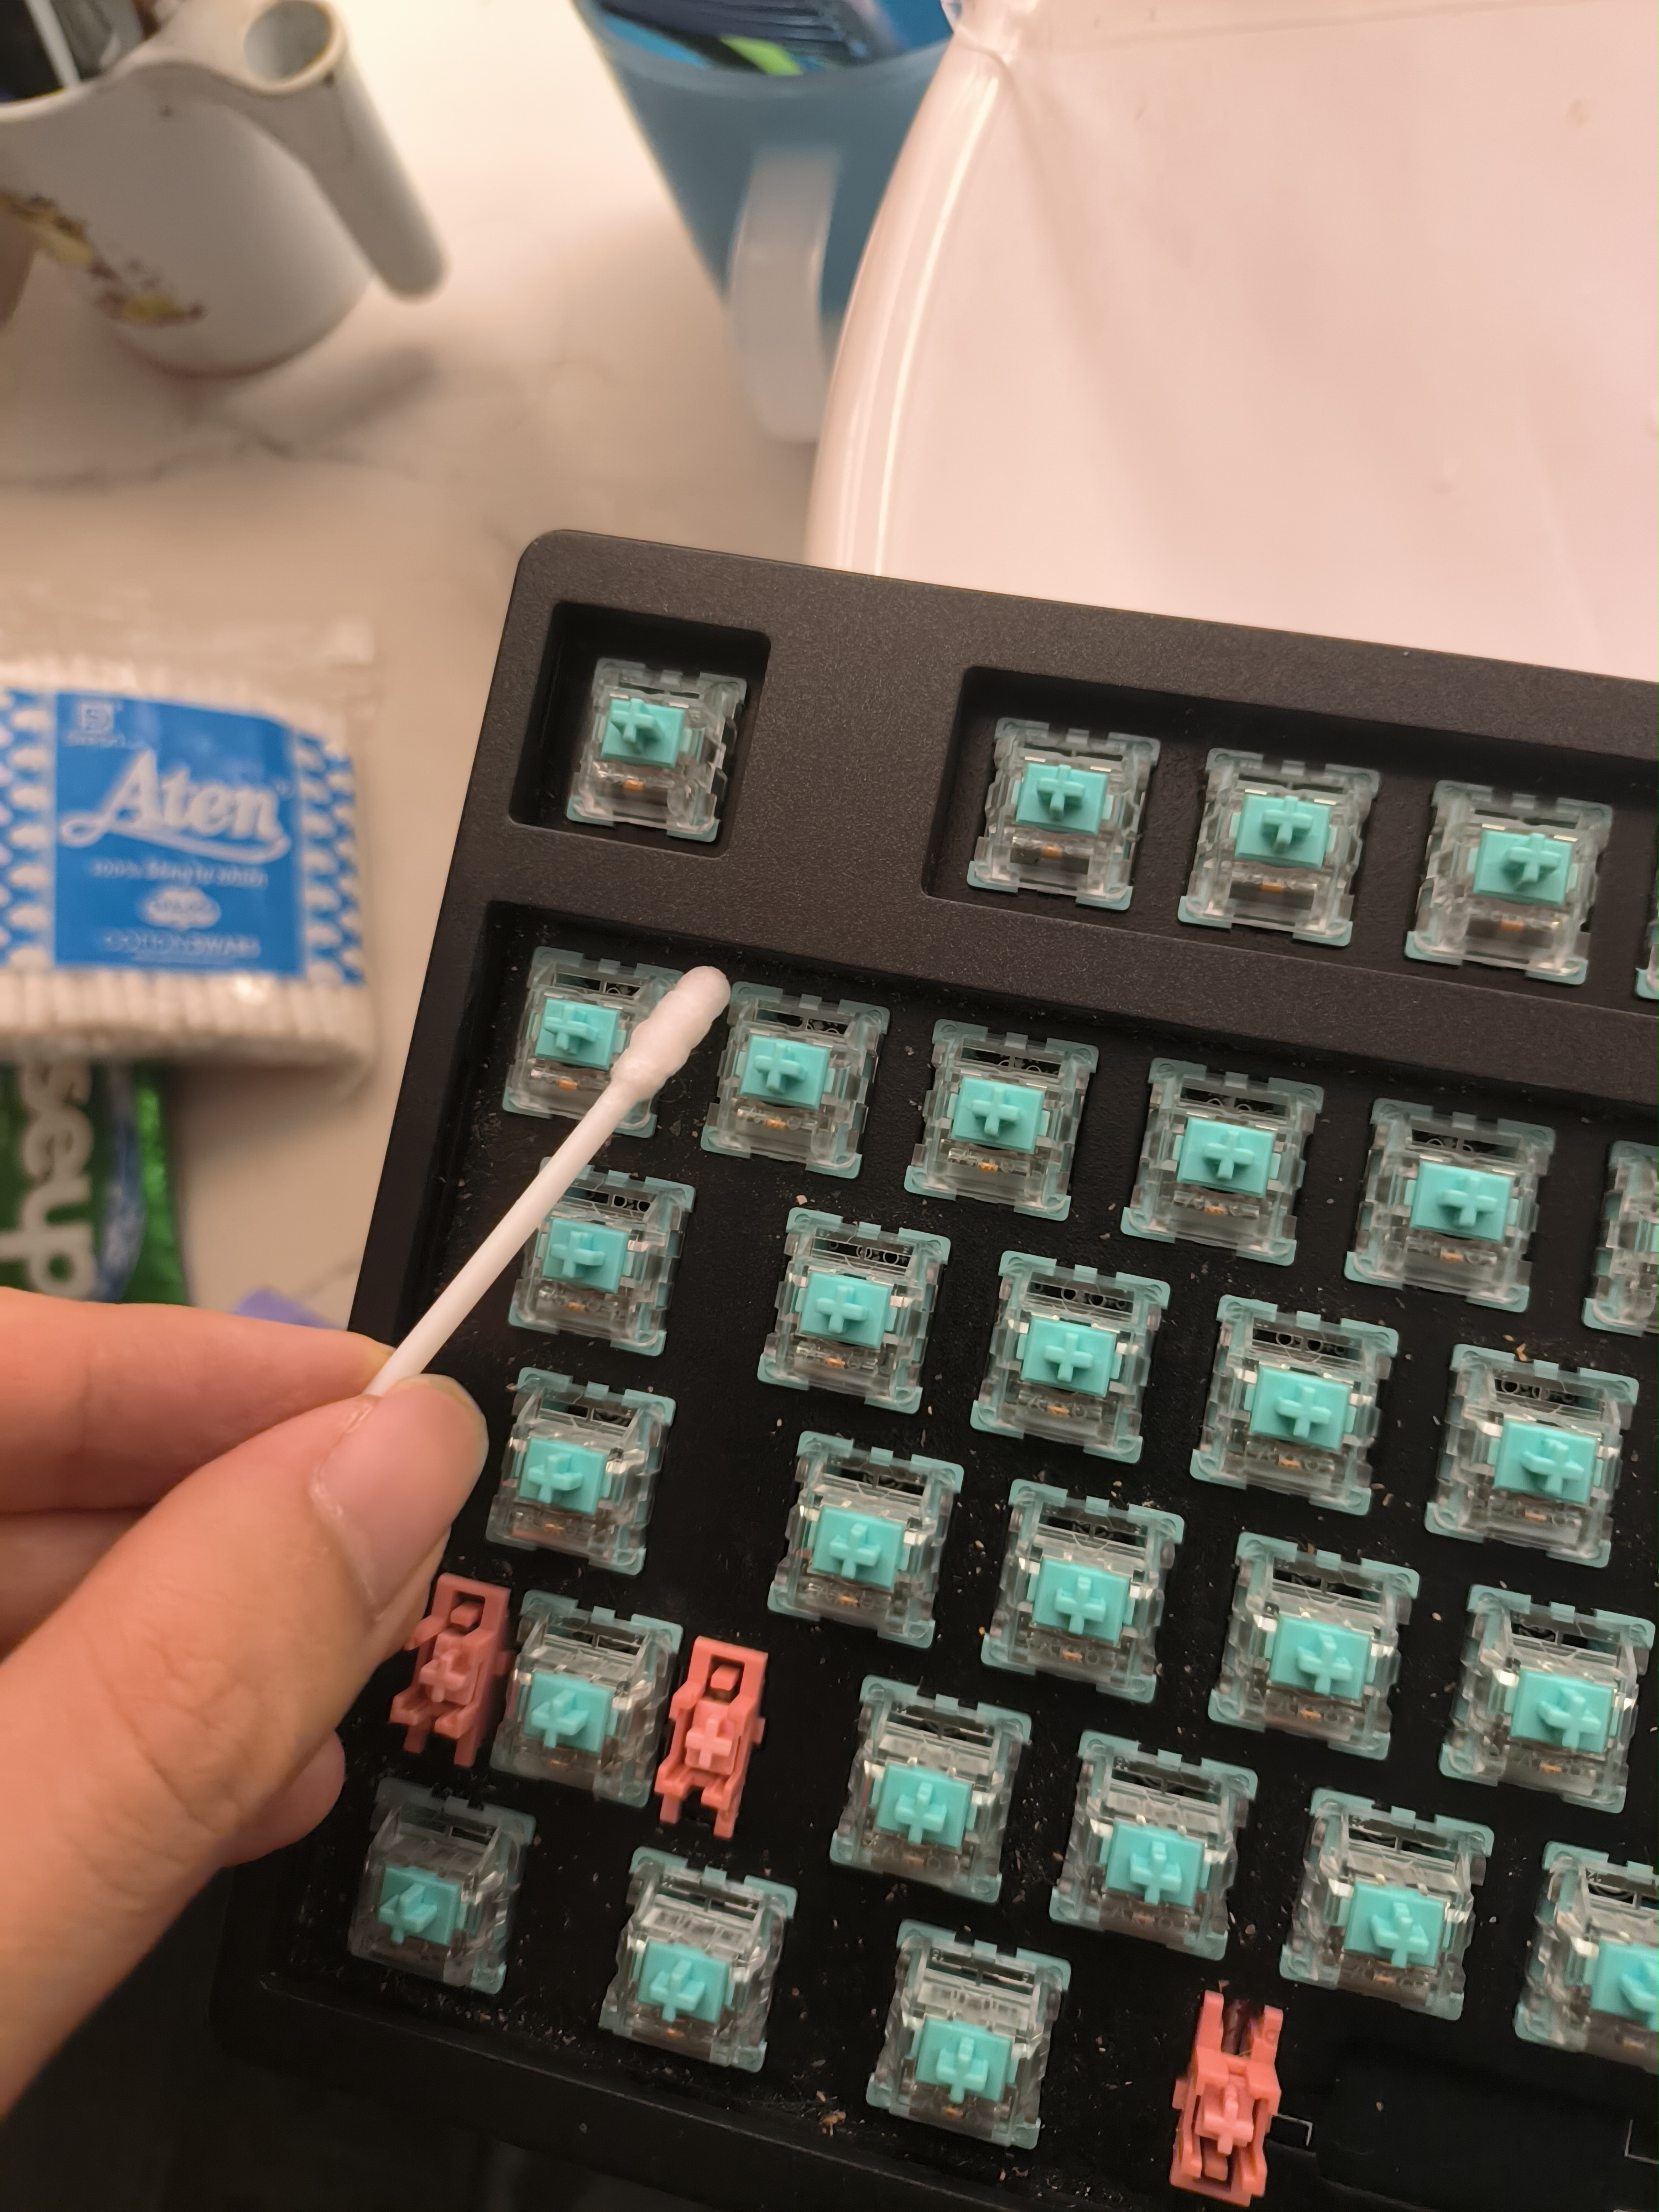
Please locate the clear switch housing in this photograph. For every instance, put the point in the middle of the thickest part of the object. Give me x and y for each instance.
(1647, 975)
(1070, 1352)
(794, 1079)
(1279, 846)
(602, 1264)
(578, 1016)
(931, 1786)
(438, 1887)
(854, 1309)
(1509, 881)
(866, 1539)
(1593, 1971)
(1221, 1162)
(1449, 1204)
(1000, 1122)
(1063, 812)
(698, 1959)
(1153, 1846)
(580, 1470)
(1313, 1644)
(1548, 1698)
(1387, 1904)
(1529, 1454)
(653, 750)
(1624, 1294)
(1081, 1593)
(1293, 1404)
(585, 1702)
(967, 2037)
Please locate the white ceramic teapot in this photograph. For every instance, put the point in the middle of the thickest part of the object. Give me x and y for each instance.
(217, 192)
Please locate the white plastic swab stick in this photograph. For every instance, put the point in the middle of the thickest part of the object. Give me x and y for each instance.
(662, 1043)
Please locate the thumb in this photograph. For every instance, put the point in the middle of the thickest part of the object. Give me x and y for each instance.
(191, 1677)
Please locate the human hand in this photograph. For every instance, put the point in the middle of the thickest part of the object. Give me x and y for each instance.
(207, 1542)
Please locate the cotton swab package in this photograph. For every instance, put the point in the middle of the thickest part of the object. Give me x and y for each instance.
(177, 865)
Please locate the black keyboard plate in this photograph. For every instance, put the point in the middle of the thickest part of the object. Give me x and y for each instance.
(861, 758)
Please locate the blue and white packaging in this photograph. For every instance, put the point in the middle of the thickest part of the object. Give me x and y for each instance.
(178, 872)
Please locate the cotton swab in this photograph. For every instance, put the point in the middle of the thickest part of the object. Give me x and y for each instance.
(662, 1043)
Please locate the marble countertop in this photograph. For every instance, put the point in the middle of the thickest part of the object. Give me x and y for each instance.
(573, 373)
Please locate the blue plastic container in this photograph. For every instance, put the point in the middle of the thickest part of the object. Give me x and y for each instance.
(708, 126)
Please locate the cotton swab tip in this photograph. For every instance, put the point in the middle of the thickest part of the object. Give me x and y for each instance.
(671, 1032)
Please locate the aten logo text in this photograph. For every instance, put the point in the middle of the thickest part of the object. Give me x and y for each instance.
(213, 821)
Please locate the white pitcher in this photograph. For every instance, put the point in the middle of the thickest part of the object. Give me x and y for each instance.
(217, 193)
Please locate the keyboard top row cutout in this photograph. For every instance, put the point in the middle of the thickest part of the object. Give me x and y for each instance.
(1508, 876)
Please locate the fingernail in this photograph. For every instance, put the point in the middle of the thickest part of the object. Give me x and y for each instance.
(396, 1479)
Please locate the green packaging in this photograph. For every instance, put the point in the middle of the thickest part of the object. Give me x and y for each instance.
(86, 1196)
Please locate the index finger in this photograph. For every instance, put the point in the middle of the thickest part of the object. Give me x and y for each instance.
(110, 1405)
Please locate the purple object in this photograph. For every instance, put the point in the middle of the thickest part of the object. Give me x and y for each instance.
(271, 1305)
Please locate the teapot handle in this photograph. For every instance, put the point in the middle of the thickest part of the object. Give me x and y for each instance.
(285, 64)
(772, 282)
